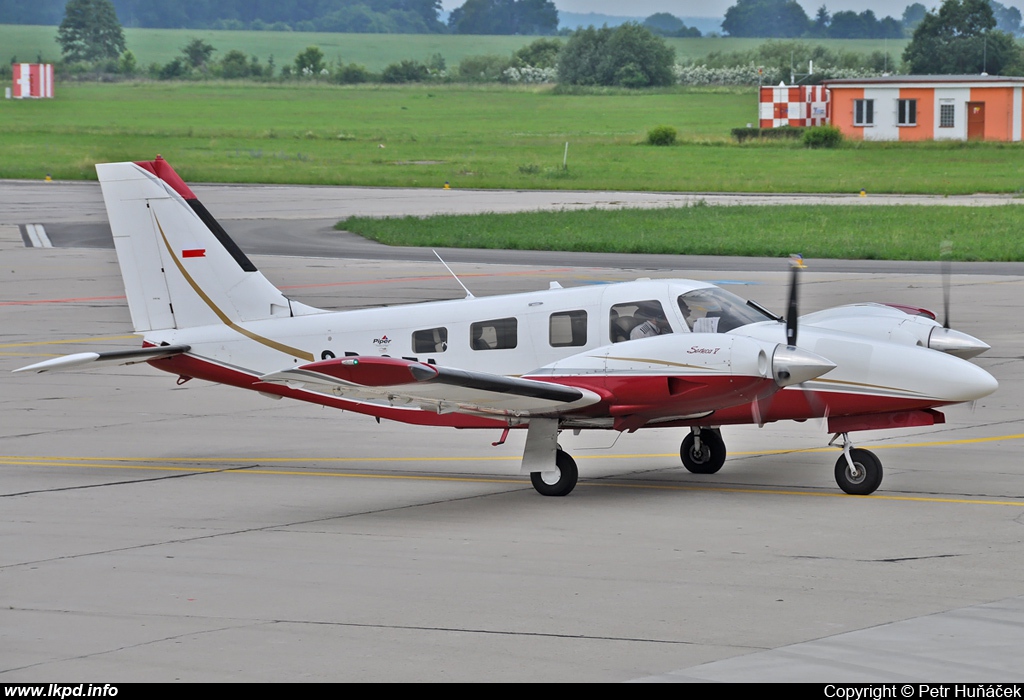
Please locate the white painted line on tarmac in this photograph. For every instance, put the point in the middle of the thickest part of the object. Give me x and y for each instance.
(37, 235)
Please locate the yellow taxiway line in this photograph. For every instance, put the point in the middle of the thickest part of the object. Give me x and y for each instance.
(166, 465)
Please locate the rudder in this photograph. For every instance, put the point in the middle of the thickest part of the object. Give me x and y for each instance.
(180, 268)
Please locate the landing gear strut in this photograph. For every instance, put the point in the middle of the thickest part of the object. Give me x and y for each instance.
(858, 472)
(552, 471)
(559, 482)
(703, 451)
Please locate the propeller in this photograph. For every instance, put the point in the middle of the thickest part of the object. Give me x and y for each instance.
(946, 339)
(945, 254)
(759, 408)
(796, 263)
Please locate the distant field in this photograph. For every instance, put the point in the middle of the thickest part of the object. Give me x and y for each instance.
(372, 50)
(485, 137)
(872, 233)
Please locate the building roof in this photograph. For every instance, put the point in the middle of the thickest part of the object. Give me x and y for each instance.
(983, 79)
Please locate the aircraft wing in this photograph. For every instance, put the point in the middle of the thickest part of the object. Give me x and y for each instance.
(113, 357)
(431, 388)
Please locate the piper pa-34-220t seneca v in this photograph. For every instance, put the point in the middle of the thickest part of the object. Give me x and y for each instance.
(624, 357)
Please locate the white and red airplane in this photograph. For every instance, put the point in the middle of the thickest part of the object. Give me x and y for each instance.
(624, 357)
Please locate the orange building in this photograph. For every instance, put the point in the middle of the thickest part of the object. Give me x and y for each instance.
(928, 107)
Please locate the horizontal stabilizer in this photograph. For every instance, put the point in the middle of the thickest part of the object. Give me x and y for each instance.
(114, 357)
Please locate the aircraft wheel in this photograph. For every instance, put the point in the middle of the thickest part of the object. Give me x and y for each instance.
(709, 458)
(559, 482)
(869, 473)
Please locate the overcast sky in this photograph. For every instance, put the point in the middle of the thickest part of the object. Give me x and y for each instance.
(717, 8)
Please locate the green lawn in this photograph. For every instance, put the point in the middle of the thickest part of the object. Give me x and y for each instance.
(372, 50)
(487, 136)
(873, 233)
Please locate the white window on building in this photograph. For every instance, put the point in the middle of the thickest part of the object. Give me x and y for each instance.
(863, 112)
(947, 116)
(906, 112)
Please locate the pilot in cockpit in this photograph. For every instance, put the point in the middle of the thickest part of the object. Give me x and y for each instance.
(700, 319)
(684, 308)
(654, 322)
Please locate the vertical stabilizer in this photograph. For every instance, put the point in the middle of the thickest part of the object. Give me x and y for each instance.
(180, 268)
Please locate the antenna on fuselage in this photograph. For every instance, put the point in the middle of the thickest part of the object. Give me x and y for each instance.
(469, 294)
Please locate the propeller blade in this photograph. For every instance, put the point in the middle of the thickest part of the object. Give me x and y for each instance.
(945, 253)
(796, 263)
(816, 402)
(758, 408)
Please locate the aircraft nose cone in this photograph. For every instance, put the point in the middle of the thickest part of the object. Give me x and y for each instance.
(956, 343)
(968, 383)
(791, 365)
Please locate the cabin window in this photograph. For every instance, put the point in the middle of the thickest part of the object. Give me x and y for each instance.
(906, 112)
(947, 116)
(568, 329)
(863, 112)
(637, 319)
(430, 340)
(498, 334)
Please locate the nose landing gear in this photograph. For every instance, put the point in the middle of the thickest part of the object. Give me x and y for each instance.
(703, 451)
(858, 472)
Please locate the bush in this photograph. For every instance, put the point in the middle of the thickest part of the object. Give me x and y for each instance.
(822, 137)
(235, 64)
(310, 62)
(482, 69)
(351, 74)
(779, 133)
(542, 53)
(405, 72)
(173, 70)
(661, 136)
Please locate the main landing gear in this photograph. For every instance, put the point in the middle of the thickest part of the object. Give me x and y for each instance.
(552, 471)
(559, 482)
(858, 472)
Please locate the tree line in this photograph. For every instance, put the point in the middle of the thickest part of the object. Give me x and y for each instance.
(960, 37)
(747, 18)
(534, 17)
(787, 19)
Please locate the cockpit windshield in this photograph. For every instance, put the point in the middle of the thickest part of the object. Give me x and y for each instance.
(714, 310)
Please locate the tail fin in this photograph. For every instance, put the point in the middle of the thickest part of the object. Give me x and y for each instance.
(180, 268)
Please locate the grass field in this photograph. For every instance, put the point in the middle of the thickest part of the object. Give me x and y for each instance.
(487, 137)
(873, 233)
(371, 50)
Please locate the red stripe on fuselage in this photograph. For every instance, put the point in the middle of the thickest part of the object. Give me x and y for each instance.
(799, 404)
(621, 396)
(660, 396)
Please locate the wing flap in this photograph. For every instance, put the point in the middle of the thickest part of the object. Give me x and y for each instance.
(113, 357)
(433, 388)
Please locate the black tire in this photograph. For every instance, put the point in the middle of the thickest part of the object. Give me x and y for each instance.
(565, 481)
(709, 458)
(869, 477)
